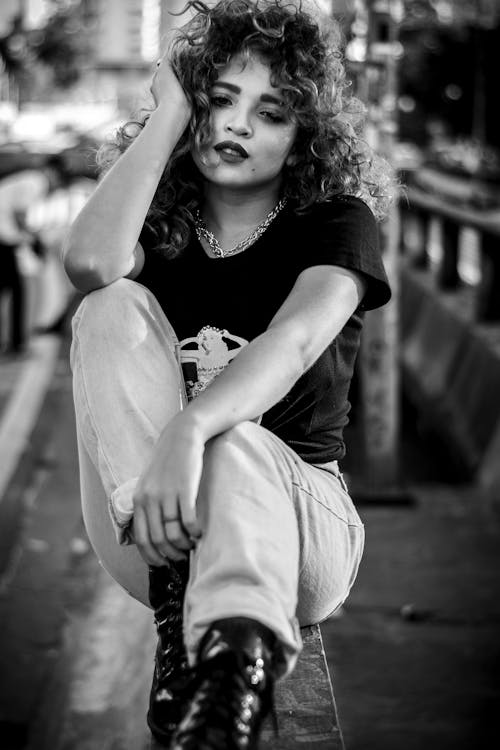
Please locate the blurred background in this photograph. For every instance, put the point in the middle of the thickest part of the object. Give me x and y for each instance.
(414, 653)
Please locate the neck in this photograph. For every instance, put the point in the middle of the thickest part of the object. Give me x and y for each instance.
(226, 211)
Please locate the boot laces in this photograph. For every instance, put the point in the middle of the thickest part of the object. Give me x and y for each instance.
(230, 702)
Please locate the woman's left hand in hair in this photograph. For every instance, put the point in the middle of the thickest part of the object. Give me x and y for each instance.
(165, 522)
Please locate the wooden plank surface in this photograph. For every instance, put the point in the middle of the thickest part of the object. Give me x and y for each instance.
(307, 715)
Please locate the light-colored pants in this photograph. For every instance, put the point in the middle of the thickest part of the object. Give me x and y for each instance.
(281, 540)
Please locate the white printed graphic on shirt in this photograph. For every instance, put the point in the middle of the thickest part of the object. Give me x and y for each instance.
(206, 355)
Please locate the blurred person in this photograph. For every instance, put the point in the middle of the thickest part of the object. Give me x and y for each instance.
(50, 219)
(19, 194)
(228, 256)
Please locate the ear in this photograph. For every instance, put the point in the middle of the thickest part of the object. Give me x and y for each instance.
(291, 160)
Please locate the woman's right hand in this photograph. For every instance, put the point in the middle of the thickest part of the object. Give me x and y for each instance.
(166, 88)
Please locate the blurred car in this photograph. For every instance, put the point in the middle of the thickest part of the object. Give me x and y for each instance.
(15, 157)
(78, 152)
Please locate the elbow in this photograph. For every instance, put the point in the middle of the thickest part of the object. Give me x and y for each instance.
(308, 354)
(84, 280)
(304, 344)
(82, 270)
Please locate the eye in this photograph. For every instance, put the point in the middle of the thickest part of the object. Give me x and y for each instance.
(273, 117)
(220, 100)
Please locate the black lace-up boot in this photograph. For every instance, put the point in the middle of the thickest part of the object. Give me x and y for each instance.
(167, 586)
(232, 688)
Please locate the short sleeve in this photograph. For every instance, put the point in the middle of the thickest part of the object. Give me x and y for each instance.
(346, 234)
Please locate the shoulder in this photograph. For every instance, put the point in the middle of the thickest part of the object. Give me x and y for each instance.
(345, 209)
(345, 221)
(344, 232)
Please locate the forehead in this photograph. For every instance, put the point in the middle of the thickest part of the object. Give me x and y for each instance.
(249, 72)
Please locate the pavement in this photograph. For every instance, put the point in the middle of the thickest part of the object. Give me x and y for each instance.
(414, 654)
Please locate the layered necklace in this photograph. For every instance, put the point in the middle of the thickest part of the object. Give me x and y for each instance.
(203, 233)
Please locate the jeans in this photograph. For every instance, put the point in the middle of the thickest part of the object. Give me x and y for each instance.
(281, 541)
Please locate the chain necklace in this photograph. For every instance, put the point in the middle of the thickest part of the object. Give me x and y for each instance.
(203, 232)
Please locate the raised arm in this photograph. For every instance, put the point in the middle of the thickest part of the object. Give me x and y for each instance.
(102, 245)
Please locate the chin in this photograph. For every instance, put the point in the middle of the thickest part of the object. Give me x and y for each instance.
(231, 180)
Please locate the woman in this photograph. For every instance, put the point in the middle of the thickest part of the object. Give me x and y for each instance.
(229, 254)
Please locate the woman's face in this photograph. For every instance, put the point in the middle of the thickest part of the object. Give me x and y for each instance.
(251, 133)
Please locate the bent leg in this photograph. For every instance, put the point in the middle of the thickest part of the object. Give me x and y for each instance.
(269, 521)
(331, 538)
(127, 385)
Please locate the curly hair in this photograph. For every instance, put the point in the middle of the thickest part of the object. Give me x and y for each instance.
(304, 54)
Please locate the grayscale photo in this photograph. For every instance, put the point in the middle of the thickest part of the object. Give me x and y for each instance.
(249, 374)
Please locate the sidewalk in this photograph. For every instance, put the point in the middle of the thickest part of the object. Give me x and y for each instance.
(416, 654)
(24, 381)
(76, 652)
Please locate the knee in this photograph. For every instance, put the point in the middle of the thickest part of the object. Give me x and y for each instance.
(114, 309)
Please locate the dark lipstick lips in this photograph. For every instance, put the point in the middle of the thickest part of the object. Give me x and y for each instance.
(233, 146)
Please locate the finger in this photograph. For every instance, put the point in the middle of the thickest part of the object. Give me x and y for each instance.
(176, 534)
(160, 538)
(152, 88)
(190, 520)
(172, 553)
(143, 541)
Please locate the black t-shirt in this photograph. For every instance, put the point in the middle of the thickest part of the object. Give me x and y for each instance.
(217, 305)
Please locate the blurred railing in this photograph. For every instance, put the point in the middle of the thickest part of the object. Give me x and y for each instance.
(450, 329)
(425, 207)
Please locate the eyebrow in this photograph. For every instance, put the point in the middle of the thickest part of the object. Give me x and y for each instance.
(269, 98)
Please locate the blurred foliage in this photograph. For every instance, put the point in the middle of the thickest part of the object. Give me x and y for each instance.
(58, 45)
(14, 48)
(448, 70)
(427, 13)
(465, 156)
(437, 73)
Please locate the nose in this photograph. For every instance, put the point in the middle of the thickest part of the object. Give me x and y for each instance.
(239, 123)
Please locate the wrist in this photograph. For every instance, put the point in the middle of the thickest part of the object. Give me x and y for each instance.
(172, 113)
(190, 426)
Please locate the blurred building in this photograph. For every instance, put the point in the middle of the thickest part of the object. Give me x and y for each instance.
(121, 39)
(123, 43)
(125, 40)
